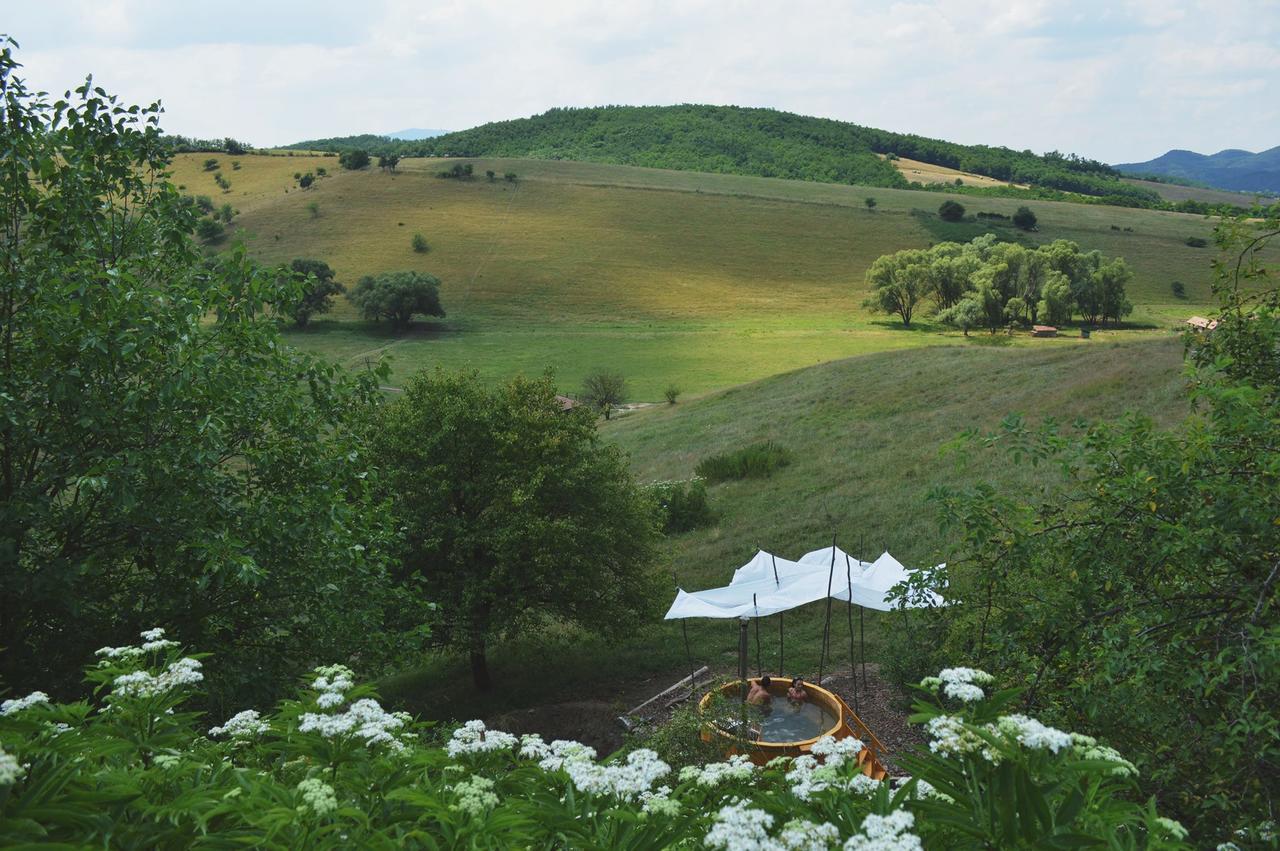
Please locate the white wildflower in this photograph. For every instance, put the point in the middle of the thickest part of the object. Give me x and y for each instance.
(9, 707)
(365, 719)
(886, 833)
(950, 737)
(1121, 766)
(803, 835)
(807, 777)
(532, 747)
(153, 634)
(126, 652)
(330, 699)
(183, 672)
(624, 780)
(317, 796)
(961, 684)
(924, 789)
(738, 827)
(472, 737)
(736, 767)
(11, 770)
(475, 796)
(834, 751)
(659, 802)
(242, 725)
(564, 751)
(1030, 733)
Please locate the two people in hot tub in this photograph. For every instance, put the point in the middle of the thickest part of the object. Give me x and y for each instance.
(759, 694)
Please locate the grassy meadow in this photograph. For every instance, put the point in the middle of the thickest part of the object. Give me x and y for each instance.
(868, 435)
(701, 280)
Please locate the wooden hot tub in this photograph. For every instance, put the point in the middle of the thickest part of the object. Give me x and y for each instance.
(843, 723)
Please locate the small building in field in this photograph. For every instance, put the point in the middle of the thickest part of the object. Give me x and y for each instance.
(1043, 331)
(1199, 323)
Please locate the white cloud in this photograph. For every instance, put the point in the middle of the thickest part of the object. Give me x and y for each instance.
(1115, 81)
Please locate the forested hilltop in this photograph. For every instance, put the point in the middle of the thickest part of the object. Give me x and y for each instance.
(738, 140)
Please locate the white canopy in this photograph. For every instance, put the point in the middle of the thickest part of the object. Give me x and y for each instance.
(754, 592)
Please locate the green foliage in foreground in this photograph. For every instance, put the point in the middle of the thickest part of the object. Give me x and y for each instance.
(1141, 601)
(513, 511)
(332, 768)
(163, 455)
(757, 461)
(684, 505)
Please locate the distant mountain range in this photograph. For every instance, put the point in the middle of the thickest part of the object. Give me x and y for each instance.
(415, 133)
(1243, 171)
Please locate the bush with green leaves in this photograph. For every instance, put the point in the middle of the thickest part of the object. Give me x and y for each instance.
(1025, 219)
(951, 211)
(317, 291)
(757, 461)
(419, 243)
(684, 505)
(398, 297)
(604, 391)
(165, 456)
(354, 160)
(1138, 598)
(332, 767)
(210, 230)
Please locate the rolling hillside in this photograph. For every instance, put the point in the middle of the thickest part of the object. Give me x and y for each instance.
(867, 434)
(700, 280)
(1241, 171)
(761, 142)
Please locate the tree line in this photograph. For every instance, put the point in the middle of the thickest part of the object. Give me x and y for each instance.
(987, 283)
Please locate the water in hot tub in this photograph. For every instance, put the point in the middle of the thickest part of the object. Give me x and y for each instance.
(792, 722)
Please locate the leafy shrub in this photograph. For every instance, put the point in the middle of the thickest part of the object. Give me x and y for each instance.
(684, 505)
(509, 177)
(333, 768)
(951, 211)
(1196, 242)
(354, 160)
(397, 296)
(313, 207)
(1025, 219)
(419, 243)
(210, 230)
(604, 391)
(1179, 289)
(671, 394)
(306, 180)
(211, 164)
(235, 165)
(491, 175)
(870, 202)
(757, 461)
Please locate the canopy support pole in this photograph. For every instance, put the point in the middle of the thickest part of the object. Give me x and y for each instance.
(759, 669)
(684, 628)
(826, 629)
(742, 656)
(776, 583)
(848, 575)
(862, 643)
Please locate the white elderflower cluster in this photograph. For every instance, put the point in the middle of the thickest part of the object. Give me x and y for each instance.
(1030, 733)
(243, 725)
(807, 777)
(1087, 747)
(835, 751)
(183, 672)
(626, 780)
(472, 737)
(963, 684)
(659, 802)
(533, 747)
(9, 707)
(126, 652)
(738, 827)
(804, 835)
(736, 767)
(317, 796)
(11, 770)
(333, 682)
(886, 833)
(564, 752)
(475, 796)
(951, 737)
(365, 719)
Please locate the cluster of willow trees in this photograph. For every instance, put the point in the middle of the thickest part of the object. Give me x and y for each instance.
(991, 284)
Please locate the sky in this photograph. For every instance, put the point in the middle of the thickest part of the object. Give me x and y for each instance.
(1119, 81)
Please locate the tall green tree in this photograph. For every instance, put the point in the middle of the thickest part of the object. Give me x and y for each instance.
(899, 282)
(398, 297)
(164, 457)
(514, 512)
(317, 290)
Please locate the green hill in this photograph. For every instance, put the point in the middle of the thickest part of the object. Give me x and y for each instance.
(867, 435)
(701, 280)
(763, 142)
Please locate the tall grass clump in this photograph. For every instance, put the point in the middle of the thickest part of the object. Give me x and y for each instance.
(757, 461)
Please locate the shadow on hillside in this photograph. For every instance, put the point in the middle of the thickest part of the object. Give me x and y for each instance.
(418, 329)
(918, 326)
